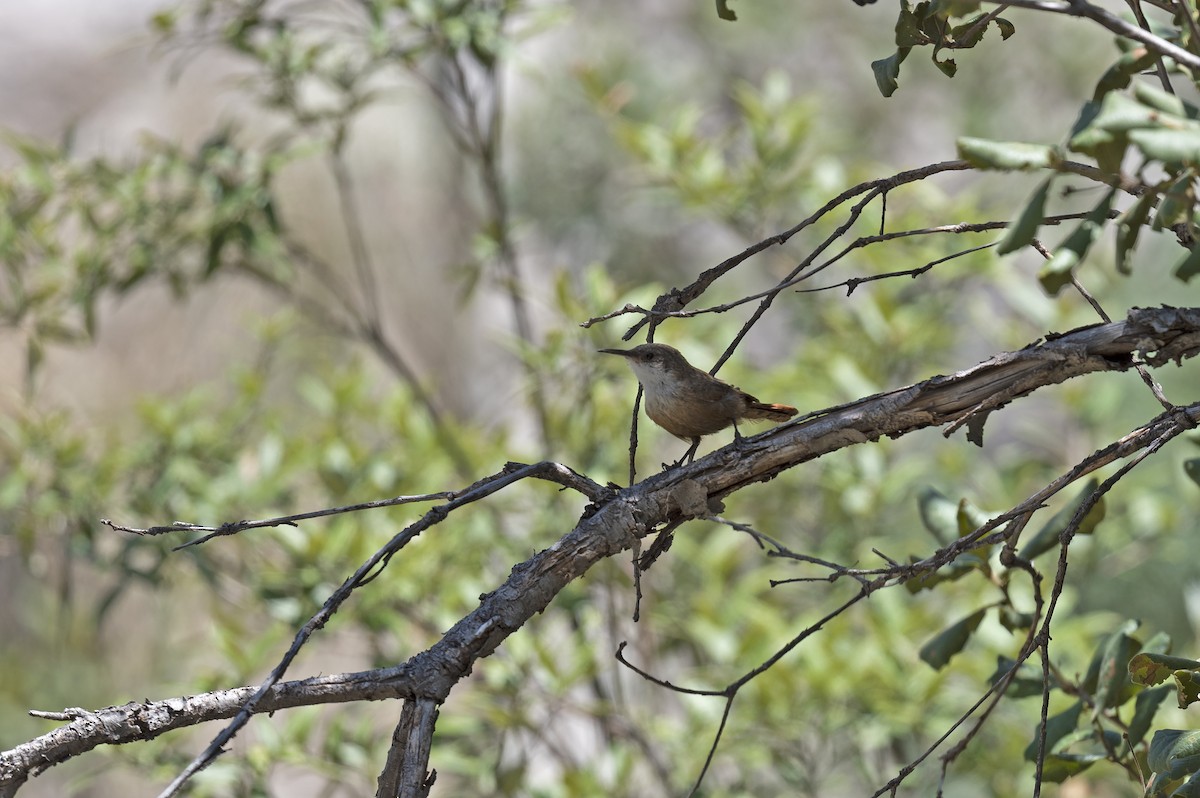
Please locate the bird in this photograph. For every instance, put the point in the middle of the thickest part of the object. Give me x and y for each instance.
(690, 403)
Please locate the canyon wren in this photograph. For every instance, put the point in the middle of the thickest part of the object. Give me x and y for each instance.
(688, 402)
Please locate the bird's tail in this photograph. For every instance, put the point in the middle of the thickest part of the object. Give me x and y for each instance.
(765, 412)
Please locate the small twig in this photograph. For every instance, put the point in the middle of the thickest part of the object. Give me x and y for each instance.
(780, 550)
(672, 304)
(352, 221)
(1140, 368)
(620, 657)
(729, 692)
(983, 22)
(852, 283)
(234, 527)
(1091, 300)
(1159, 67)
(1188, 16)
(553, 472)
(712, 749)
(511, 473)
(68, 714)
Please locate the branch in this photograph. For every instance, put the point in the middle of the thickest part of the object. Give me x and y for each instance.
(1103, 17)
(614, 523)
(679, 298)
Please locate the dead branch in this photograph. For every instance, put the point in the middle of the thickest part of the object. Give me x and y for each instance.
(612, 525)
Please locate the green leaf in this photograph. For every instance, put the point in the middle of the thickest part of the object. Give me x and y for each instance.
(1129, 225)
(937, 652)
(1119, 113)
(1015, 621)
(1113, 685)
(909, 30)
(1047, 537)
(1007, 155)
(35, 352)
(1056, 273)
(1159, 644)
(1191, 467)
(1025, 683)
(1059, 767)
(1026, 226)
(1144, 710)
(947, 67)
(939, 514)
(1121, 73)
(887, 71)
(969, 517)
(1177, 203)
(1175, 752)
(1175, 148)
(969, 33)
(1057, 727)
(1158, 784)
(164, 23)
(1158, 99)
(1189, 789)
(1092, 681)
(1188, 685)
(1188, 266)
(959, 567)
(1062, 762)
(1106, 147)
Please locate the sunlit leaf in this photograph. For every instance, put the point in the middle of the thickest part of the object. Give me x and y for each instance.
(1175, 148)
(1151, 669)
(1007, 155)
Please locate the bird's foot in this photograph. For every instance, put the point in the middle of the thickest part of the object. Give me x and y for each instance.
(688, 456)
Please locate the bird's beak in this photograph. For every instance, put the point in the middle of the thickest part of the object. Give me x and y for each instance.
(621, 352)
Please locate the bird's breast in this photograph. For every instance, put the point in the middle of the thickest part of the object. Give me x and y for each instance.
(687, 417)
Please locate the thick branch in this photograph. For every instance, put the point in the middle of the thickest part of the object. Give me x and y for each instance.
(404, 773)
(1156, 335)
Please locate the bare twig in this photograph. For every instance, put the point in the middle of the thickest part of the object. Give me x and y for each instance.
(364, 574)
(673, 303)
(1159, 67)
(616, 519)
(234, 527)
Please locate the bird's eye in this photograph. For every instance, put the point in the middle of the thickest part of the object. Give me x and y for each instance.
(651, 357)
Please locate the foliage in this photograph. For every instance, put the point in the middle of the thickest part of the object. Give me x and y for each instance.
(329, 408)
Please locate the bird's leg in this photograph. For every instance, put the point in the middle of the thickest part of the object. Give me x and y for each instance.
(738, 440)
(688, 456)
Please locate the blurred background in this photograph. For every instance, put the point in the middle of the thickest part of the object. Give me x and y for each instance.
(267, 257)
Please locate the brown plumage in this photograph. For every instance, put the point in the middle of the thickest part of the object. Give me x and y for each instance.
(690, 403)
